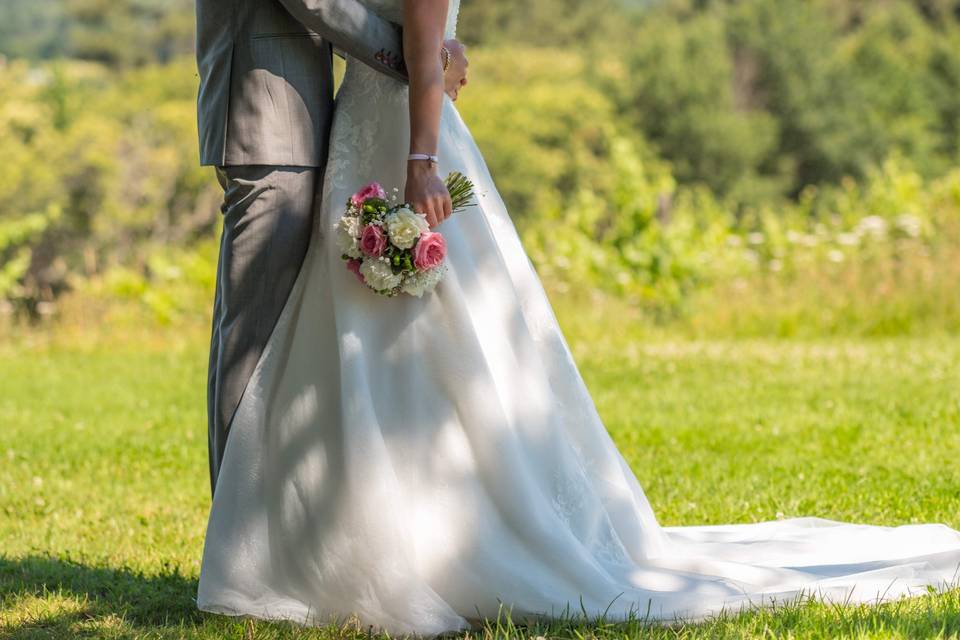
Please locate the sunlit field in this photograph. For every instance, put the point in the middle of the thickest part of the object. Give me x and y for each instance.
(104, 490)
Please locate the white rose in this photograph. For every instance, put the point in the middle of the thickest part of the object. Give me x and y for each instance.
(379, 275)
(404, 227)
(421, 282)
(348, 232)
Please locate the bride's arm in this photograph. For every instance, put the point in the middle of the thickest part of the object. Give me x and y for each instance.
(423, 25)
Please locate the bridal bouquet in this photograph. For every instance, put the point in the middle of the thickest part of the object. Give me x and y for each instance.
(389, 246)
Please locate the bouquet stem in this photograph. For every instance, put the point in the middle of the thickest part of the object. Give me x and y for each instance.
(461, 190)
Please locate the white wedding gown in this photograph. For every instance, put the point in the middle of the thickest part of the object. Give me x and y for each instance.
(416, 462)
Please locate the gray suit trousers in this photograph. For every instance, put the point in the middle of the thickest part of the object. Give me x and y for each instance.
(267, 217)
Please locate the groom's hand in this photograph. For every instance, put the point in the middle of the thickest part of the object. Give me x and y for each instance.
(427, 192)
(455, 76)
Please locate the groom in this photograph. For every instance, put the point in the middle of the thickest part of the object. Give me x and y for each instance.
(265, 107)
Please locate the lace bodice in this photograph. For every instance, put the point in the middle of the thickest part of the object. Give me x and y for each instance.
(393, 10)
(366, 102)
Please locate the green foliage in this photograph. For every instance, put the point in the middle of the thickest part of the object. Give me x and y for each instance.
(720, 151)
(16, 253)
(755, 99)
(909, 85)
(29, 28)
(877, 257)
(682, 88)
(128, 33)
(599, 210)
(758, 99)
(101, 195)
(551, 23)
(543, 128)
(119, 33)
(98, 169)
(880, 257)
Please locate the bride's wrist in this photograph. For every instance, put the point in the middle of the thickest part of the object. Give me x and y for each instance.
(422, 162)
(431, 157)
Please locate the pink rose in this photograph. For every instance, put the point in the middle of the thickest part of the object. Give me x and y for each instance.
(429, 251)
(372, 190)
(373, 241)
(353, 266)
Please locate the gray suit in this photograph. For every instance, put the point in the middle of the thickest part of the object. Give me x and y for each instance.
(265, 106)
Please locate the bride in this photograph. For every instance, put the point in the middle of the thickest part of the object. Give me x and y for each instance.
(414, 462)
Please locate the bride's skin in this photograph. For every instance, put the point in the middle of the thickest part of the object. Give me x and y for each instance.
(423, 25)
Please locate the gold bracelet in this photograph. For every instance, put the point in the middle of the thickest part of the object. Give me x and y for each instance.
(445, 58)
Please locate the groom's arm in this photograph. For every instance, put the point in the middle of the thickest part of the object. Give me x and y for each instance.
(355, 30)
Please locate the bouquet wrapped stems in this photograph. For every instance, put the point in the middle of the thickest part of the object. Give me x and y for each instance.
(461, 190)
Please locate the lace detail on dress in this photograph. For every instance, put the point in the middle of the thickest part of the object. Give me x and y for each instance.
(365, 91)
(357, 130)
(354, 134)
(575, 502)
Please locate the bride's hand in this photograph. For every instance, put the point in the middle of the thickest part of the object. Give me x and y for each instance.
(455, 77)
(426, 192)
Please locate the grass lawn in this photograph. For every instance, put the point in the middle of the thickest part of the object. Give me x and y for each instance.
(104, 490)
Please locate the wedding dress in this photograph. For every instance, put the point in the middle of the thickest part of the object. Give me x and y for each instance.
(416, 462)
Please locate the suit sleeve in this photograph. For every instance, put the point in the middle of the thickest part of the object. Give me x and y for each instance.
(355, 30)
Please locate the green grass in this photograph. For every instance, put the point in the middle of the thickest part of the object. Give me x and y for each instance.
(104, 490)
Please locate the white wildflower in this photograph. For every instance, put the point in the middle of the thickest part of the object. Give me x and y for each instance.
(873, 225)
(848, 239)
(909, 225)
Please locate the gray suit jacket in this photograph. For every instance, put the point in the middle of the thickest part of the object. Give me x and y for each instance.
(266, 82)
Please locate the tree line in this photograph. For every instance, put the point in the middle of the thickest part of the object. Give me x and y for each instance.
(645, 138)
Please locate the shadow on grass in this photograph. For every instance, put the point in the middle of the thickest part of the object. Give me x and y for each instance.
(135, 601)
(46, 597)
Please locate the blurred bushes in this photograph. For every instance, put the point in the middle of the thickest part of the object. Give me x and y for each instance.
(600, 210)
(877, 257)
(730, 167)
(119, 33)
(758, 99)
(98, 170)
